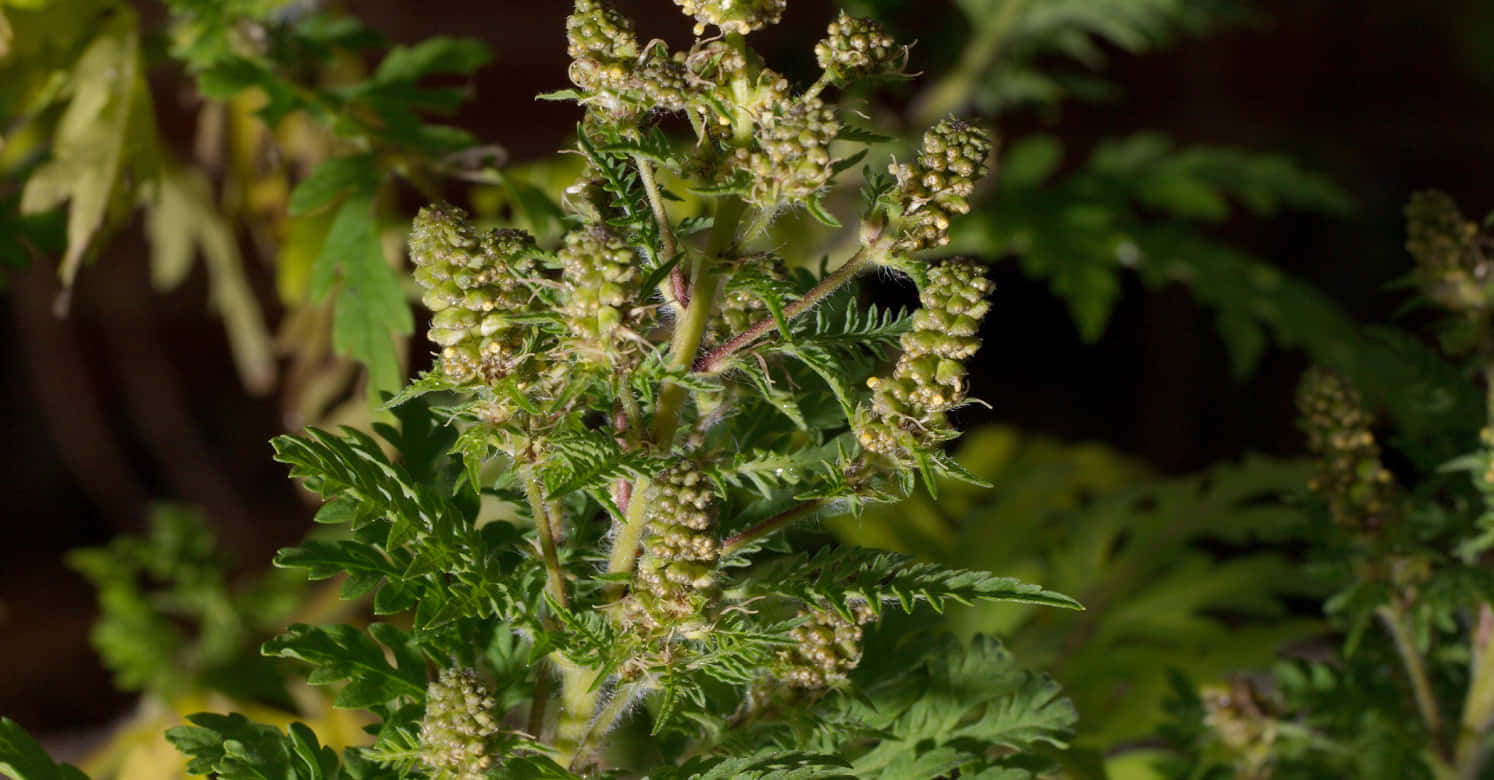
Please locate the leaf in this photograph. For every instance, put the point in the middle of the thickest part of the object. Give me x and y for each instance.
(762, 765)
(1029, 162)
(817, 210)
(441, 54)
(331, 179)
(232, 748)
(362, 561)
(102, 133)
(579, 460)
(181, 222)
(971, 699)
(23, 759)
(861, 135)
(840, 577)
(341, 652)
(370, 306)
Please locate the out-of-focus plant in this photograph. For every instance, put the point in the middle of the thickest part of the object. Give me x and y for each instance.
(1405, 543)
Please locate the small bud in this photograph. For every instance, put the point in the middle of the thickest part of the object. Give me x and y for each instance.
(855, 48)
(733, 16)
(1358, 488)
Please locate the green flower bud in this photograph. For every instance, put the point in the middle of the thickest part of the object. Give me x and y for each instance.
(733, 16)
(1444, 245)
(601, 282)
(855, 48)
(1437, 234)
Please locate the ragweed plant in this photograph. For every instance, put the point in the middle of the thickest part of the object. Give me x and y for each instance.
(1402, 530)
(592, 541)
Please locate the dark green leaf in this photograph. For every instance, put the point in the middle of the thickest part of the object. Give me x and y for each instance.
(23, 759)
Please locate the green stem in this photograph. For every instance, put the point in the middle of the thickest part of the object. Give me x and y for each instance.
(1421, 686)
(949, 94)
(670, 247)
(622, 696)
(625, 544)
(816, 88)
(536, 722)
(774, 523)
(690, 331)
(554, 577)
(578, 700)
(717, 358)
(1478, 706)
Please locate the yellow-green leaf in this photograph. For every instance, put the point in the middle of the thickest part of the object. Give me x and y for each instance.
(181, 222)
(97, 133)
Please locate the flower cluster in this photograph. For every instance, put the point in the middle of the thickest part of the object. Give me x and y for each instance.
(601, 277)
(951, 159)
(856, 48)
(677, 570)
(733, 16)
(907, 409)
(473, 284)
(619, 77)
(1243, 725)
(1444, 245)
(791, 161)
(1350, 476)
(828, 647)
(459, 732)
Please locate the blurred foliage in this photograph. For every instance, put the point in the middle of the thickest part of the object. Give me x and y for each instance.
(1187, 573)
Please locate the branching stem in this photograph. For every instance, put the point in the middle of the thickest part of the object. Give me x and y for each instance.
(774, 523)
(716, 360)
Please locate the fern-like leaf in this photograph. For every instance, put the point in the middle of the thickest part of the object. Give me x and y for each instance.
(841, 576)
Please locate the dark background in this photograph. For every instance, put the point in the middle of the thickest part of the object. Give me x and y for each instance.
(134, 397)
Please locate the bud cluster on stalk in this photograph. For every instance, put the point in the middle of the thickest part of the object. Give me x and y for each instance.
(1350, 476)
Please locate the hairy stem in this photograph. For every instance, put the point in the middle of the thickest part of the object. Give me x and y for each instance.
(536, 722)
(736, 541)
(816, 88)
(554, 577)
(578, 701)
(622, 696)
(625, 544)
(717, 358)
(677, 286)
(1421, 686)
(1478, 707)
(690, 330)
